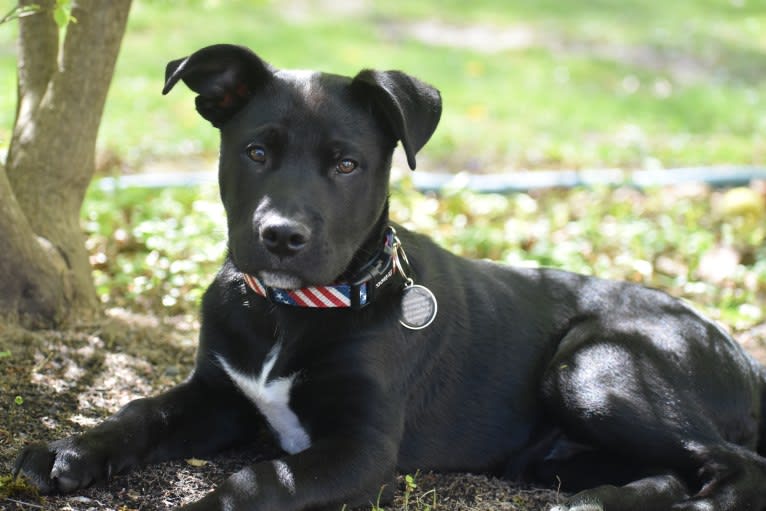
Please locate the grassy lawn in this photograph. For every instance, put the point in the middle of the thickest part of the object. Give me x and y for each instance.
(526, 83)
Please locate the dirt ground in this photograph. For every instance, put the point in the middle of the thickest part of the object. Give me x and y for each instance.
(55, 383)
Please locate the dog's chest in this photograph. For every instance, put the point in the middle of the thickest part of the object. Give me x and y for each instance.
(272, 398)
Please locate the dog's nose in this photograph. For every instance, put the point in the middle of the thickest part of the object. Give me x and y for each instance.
(284, 237)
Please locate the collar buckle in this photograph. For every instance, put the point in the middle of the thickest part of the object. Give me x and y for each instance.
(376, 273)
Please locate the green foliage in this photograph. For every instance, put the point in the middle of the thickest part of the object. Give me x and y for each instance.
(412, 499)
(525, 83)
(154, 250)
(62, 13)
(409, 486)
(19, 488)
(157, 250)
(19, 11)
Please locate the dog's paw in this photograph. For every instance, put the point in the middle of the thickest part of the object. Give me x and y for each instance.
(63, 466)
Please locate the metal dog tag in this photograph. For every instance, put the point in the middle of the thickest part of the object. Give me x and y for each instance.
(418, 307)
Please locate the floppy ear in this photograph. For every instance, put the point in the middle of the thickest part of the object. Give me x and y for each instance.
(224, 76)
(411, 108)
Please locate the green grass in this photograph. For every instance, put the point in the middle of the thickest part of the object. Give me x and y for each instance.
(598, 83)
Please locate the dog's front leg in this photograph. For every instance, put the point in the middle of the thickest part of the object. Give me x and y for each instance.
(350, 470)
(356, 430)
(193, 418)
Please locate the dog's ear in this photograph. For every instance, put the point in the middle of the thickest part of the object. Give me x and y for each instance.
(224, 76)
(411, 108)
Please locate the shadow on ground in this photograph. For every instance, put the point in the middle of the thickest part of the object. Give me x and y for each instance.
(56, 383)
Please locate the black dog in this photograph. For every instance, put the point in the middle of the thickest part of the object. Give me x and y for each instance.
(322, 327)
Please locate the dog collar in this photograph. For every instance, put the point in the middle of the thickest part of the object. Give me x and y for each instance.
(358, 292)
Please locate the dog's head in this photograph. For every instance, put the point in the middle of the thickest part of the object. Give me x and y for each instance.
(305, 157)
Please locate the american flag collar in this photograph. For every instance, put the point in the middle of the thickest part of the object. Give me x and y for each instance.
(357, 293)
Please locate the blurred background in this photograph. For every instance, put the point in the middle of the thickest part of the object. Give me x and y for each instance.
(528, 85)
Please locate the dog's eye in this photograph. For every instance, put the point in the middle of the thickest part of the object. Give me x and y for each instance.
(346, 166)
(256, 153)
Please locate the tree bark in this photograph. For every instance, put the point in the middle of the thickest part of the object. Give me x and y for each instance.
(38, 51)
(50, 162)
(35, 290)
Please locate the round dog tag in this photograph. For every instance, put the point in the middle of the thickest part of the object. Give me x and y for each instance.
(418, 307)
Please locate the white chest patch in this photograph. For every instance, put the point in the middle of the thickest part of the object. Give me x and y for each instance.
(273, 401)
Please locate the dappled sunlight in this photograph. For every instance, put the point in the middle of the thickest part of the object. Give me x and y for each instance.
(123, 379)
(55, 369)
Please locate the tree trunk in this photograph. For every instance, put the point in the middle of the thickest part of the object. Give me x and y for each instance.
(61, 96)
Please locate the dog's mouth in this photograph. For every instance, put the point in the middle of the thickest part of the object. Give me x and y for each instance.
(280, 280)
